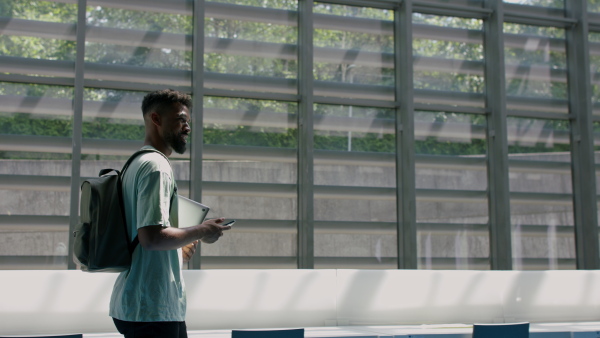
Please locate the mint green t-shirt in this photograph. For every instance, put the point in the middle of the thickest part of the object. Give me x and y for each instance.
(152, 290)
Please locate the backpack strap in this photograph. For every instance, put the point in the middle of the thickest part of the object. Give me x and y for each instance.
(131, 244)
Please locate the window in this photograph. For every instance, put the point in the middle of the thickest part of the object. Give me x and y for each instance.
(252, 95)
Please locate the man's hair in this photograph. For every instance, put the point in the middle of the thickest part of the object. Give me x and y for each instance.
(161, 100)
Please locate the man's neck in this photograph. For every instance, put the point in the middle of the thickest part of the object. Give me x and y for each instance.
(162, 148)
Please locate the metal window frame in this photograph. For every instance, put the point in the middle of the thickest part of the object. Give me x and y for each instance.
(77, 136)
(197, 148)
(305, 255)
(499, 195)
(405, 150)
(582, 139)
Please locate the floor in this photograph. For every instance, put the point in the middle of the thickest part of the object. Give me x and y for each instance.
(537, 330)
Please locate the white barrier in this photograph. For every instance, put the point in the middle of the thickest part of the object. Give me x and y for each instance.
(47, 302)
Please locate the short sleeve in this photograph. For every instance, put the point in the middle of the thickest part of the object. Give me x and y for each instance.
(154, 199)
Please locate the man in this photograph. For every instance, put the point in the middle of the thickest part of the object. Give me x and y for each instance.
(149, 299)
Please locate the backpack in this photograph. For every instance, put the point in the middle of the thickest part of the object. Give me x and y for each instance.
(101, 240)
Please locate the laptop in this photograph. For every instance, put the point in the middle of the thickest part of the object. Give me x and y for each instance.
(190, 212)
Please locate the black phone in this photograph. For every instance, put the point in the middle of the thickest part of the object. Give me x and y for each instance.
(230, 223)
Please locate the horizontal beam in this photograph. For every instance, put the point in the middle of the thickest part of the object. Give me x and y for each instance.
(537, 15)
(37, 223)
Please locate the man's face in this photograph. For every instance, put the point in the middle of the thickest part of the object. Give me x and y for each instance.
(176, 128)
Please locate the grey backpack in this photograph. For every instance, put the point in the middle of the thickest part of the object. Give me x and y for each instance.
(101, 242)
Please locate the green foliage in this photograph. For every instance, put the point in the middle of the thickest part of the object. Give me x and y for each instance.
(545, 53)
(138, 56)
(353, 11)
(447, 21)
(593, 5)
(280, 4)
(251, 66)
(540, 3)
(139, 20)
(449, 50)
(353, 43)
(35, 90)
(24, 124)
(39, 10)
(369, 142)
(102, 128)
(433, 146)
(37, 48)
(245, 64)
(246, 136)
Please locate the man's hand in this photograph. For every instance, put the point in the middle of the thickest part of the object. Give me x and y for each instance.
(188, 251)
(213, 230)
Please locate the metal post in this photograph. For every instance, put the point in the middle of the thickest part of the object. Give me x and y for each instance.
(305, 136)
(582, 138)
(197, 113)
(499, 194)
(77, 136)
(405, 150)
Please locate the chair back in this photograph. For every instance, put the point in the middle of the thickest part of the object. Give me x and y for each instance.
(516, 330)
(288, 333)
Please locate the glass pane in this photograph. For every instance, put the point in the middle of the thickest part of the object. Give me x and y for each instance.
(119, 41)
(36, 126)
(280, 4)
(355, 202)
(448, 60)
(541, 194)
(250, 41)
(34, 42)
(594, 48)
(35, 169)
(536, 63)
(249, 174)
(349, 51)
(113, 129)
(596, 131)
(540, 3)
(593, 5)
(451, 182)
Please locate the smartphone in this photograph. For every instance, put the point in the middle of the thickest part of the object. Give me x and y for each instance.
(230, 223)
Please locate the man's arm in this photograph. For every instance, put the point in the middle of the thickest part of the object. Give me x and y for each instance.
(157, 237)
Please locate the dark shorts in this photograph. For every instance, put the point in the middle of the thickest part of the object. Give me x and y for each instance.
(151, 329)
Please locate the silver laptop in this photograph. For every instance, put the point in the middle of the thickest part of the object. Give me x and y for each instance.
(190, 212)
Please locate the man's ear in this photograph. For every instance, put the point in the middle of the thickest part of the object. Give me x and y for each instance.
(155, 118)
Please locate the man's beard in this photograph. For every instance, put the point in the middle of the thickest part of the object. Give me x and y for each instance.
(177, 142)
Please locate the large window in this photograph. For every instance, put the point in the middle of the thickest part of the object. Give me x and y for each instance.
(339, 134)
(539, 149)
(249, 174)
(354, 196)
(450, 146)
(36, 125)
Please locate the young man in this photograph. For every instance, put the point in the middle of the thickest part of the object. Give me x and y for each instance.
(149, 300)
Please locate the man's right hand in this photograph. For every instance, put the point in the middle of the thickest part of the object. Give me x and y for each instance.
(212, 230)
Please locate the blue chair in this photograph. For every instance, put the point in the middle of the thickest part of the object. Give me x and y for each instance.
(288, 333)
(517, 330)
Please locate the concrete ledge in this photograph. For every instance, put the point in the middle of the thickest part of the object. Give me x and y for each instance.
(47, 302)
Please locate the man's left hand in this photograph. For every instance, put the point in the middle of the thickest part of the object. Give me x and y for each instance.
(188, 251)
